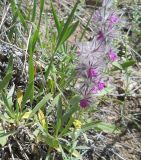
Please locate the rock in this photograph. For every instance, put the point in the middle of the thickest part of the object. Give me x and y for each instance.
(19, 77)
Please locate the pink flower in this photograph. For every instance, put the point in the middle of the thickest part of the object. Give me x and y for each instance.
(112, 55)
(114, 19)
(84, 103)
(101, 85)
(100, 36)
(92, 72)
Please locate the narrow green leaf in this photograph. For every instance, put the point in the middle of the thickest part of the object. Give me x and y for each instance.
(67, 24)
(27, 94)
(51, 141)
(59, 116)
(116, 66)
(41, 10)
(32, 44)
(40, 105)
(70, 31)
(5, 81)
(128, 63)
(10, 94)
(69, 114)
(8, 75)
(8, 108)
(34, 11)
(57, 23)
(33, 40)
(68, 125)
(61, 37)
(75, 100)
(4, 136)
(101, 126)
(22, 20)
(10, 64)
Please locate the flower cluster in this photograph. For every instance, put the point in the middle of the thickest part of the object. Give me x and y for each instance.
(94, 56)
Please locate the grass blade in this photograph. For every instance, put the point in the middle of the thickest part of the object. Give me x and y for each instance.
(40, 105)
(34, 11)
(27, 94)
(57, 23)
(67, 24)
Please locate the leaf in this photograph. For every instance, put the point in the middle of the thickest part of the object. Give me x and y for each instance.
(67, 127)
(51, 141)
(60, 150)
(10, 94)
(117, 66)
(3, 137)
(59, 116)
(33, 40)
(32, 44)
(57, 23)
(3, 140)
(8, 75)
(70, 31)
(5, 81)
(10, 65)
(65, 28)
(27, 95)
(40, 105)
(34, 11)
(67, 116)
(41, 10)
(75, 100)
(22, 19)
(124, 65)
(101, 126)
(55, 100)
(42, 120)
(26, 115)
(8, 108)
(76, 154)
(128, 63)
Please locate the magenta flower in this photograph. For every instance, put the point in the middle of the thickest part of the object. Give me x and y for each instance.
(112, 55)
(92, 72)
(94, 56)
(100, 36)
(84, 103)
(101, 85)
(113, 19)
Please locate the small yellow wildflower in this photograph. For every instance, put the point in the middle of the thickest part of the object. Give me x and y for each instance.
(77, 124)
(19, 97)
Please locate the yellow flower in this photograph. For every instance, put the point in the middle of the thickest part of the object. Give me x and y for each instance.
(77, 124)
(19, 97)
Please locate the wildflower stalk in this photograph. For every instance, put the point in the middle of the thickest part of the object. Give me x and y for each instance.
(94, 56)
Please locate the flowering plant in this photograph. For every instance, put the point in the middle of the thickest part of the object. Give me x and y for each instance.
(94, 56)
